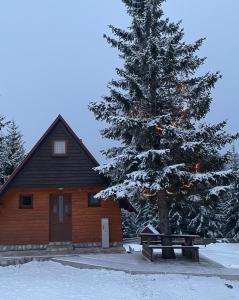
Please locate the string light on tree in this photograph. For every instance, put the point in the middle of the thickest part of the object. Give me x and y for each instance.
(182, 87)
(171, 193)
(148, 194)
(197, 167)
(159, 129)
(187, 186)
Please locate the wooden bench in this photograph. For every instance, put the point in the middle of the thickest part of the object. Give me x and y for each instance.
(159, 243)
(187, 251)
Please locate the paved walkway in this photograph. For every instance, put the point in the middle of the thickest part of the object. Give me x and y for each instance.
(136, 264)
(133, 263)
(21, 257)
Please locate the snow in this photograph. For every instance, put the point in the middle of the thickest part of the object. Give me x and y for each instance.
(190, 145)
(134, 247)
(218, 189)
(49, 280)
(152, 152)
(226, 254)
(173, 168)
(152, 229)
(223, 253)
(210, 175)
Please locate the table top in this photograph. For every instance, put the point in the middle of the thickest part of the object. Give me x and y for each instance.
(171, 235)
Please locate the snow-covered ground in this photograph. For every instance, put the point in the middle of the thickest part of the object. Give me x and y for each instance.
(52, 281)
(223, 253)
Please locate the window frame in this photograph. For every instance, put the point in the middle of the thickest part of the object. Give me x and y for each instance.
(21, 205)
(53, 148)
(98, 204)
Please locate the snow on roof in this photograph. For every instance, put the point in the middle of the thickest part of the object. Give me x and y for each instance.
(151, 228)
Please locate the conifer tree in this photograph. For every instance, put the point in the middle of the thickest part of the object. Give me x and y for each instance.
(180, 215)
(156, 108)
(208, 220)
(128, 224)
(147, 214)
(14, 150)
(234, 159)
(231, 202)
(231, 209)
(2, 148)
(2, 123)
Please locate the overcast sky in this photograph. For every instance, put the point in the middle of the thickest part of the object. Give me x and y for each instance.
(54, 60)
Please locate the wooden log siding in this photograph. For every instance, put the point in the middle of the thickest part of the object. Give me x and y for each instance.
(44, 170)
(31, 226)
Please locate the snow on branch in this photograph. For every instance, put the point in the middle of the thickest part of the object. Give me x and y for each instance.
(216, 191)
(210, 176)
(119, 191)
(173, 168)
(153, 153)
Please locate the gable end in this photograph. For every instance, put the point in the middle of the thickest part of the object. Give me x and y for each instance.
(41, 169)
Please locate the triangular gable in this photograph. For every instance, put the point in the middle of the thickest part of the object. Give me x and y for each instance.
(77, 171)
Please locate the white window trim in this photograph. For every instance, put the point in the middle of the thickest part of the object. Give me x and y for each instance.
(61, 148)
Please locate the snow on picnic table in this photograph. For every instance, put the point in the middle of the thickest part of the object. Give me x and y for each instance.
(52, 281)
(226, 254)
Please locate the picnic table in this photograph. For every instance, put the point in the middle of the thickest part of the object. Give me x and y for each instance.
(184, 242)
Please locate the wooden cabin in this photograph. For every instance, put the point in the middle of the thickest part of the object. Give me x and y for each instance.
(50, 197)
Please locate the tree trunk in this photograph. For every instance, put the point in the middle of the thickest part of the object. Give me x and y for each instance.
(163, 209)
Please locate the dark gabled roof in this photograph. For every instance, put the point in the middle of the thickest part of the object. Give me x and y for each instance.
(19, 169)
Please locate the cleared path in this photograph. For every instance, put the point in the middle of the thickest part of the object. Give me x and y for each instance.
(136, 264)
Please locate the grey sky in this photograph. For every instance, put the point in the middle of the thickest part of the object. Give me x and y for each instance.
(54, 60)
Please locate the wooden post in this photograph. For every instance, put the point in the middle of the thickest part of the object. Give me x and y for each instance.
(105, 233)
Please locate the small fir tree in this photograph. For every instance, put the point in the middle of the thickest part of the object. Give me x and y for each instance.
(156, 109)
(14, 150)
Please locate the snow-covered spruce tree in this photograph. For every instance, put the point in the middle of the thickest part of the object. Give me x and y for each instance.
(156, 107)
(14, 150)
(147, 213)
(231, 202)
(234, 160)
(180, 216)
(207, 220)
(2, 148)
(128, 224)
(231, 209)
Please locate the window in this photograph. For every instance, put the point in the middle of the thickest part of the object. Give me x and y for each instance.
(59, 148)
(92, 201)
(26, 201)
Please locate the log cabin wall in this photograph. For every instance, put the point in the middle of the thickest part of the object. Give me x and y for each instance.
(31, 226)
(43, 173)
(44, 170)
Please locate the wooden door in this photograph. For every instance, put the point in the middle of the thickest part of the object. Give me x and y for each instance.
(60, 218)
